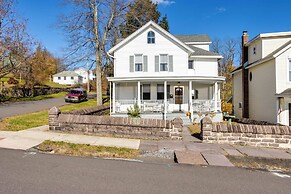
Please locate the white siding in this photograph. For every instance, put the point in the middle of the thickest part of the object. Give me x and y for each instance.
(68, 81)
(237, 94)
(271, 44)
(262, 89)
(162, 46)
(282, 71)
(255, 57)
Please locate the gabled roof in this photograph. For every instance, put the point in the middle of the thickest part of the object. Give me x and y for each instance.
(272, 55)
(202, 52)
(194, 38)
(269, 35)
(143, 28)
(67, 74)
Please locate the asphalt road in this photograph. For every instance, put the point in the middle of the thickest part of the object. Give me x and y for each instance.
(21, 172)
(17, 108)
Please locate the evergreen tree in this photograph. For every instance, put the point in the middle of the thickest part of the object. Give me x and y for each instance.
(164, 23)
(139, 13)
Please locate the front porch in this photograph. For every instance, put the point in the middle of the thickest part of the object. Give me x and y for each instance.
(195, 96)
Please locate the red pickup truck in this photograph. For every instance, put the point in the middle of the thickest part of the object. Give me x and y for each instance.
(76, 95)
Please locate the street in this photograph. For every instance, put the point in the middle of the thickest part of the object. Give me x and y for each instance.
(12, 109)
(25, 172)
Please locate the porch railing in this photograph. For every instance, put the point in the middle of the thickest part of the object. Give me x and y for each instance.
(206, 106)
(121, 106)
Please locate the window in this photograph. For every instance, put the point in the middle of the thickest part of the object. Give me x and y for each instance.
(254, 50)
(151, 37)
(65, 78)
(59, 78)
(160, 91)
(72, 78)
(239, 105)
(190, 64)
(290, 70)
(164, 63)
(251, 76)
(138, 62)
(194, 94)
(146, 91)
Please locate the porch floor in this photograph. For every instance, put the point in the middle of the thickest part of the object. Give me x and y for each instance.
(170, 116)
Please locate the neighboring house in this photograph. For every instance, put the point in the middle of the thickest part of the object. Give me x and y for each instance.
(87, 75)
(68, 78)
(165, 73)
(262, 85)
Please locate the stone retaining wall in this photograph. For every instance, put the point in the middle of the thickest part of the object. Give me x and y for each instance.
(253, 135)
(114, 126)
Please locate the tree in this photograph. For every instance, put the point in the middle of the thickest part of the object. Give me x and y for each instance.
(14, 41)
(230, 51)
(138, 14)
(164, 23)
(88, 28)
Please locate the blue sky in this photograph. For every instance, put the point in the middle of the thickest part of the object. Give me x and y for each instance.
(218, 18)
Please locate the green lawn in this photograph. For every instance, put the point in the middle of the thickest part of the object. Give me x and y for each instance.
(36, 119)
(72, 149)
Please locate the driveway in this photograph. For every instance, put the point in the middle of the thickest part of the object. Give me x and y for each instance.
(17, 108)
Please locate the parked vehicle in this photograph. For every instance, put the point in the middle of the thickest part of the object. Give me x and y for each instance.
(76, 95)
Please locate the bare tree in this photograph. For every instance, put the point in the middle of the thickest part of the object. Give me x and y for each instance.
(14, 41)
(89, 27)
(230, 51)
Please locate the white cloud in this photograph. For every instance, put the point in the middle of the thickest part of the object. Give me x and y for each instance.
(221, 9)
(164, 2)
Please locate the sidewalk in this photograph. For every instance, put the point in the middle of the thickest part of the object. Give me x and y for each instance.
(192, 151)
(29, 138)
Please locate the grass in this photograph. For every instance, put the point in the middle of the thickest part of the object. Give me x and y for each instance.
(55, 85)
(194, 129)
(72, 149)
(26, 121)
(260, 163)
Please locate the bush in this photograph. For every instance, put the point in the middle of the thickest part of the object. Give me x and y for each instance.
(134, 111)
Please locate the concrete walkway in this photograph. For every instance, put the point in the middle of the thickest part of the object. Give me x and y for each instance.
(29, 138)
(192, 151)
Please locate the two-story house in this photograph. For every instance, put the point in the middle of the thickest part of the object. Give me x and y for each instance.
(262, 85)
(165, 73)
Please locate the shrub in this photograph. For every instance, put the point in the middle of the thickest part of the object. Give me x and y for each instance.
(134, 111)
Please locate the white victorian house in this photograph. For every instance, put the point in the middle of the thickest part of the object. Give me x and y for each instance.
(165, 73)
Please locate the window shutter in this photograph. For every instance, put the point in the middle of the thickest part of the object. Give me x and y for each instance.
(157, 63)
(131, 64)
(170, 63)
(145, 63)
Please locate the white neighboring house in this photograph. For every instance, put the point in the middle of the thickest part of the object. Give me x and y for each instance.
(85, 74)
(262, 86)
(165, 73)
(68, 78)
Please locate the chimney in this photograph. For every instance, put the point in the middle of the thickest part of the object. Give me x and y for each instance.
(245, 75)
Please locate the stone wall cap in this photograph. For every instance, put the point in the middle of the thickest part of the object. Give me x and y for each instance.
(206, 120)
(54, 111)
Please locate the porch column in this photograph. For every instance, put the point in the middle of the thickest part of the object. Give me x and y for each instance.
(138, 94)
(215, 96)
(165, 100)
(110, 99)
(190, 98)
(113, 98)
(218, 97)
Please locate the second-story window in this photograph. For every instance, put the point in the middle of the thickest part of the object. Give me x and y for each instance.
(190, 64)
(151, 37)
(138, 63)
(163, 62)
(254, 50)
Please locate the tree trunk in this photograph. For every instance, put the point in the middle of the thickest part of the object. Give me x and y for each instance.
(98, 78)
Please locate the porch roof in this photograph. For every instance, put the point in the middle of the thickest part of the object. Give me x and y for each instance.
(168, 78)
(286, 92)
